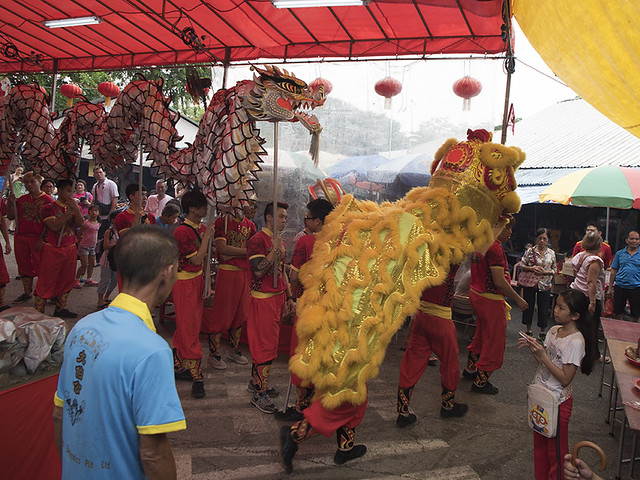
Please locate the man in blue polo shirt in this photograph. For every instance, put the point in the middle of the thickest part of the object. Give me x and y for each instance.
(625, 271)
(116, 398)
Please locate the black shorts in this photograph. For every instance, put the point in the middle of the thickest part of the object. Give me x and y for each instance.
(620, 297)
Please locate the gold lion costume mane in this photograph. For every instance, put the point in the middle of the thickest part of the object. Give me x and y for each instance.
(371, 262)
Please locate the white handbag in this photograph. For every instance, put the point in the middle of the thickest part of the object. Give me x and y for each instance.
(542, 410)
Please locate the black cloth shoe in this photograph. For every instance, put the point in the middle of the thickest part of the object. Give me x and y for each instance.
(183, 374)
(64, 313)
(197, 389)
(343, 456)
(404, 421)
(289, 415)
(288, 448)
(487, 389)
(458, 410)
(467, 374)
(25, 297)
(4, 307)
(271, 392)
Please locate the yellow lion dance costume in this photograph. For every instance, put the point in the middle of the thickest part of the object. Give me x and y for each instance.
(371, 262)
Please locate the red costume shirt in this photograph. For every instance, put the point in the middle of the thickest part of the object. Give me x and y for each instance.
(56, 210)
(259, 246)
(29, 214)
(604, 253)
(188, 235)
(443, 293)
(481, 278)
(301, 255)
(124, 220)
(235, 234)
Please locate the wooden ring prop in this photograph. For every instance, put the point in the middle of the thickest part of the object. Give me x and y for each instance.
(579, 445)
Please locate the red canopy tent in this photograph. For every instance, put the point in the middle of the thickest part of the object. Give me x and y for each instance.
(135, 33)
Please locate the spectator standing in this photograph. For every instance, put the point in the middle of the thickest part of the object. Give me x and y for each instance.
(49, 187)
(625, 273)
(87, 248)
(83, 197)
(541, 260)
(169, 217)
(105, 196)
(27, 241)
(157, 202)
(108, 276)
(116, 398)
(605, 250)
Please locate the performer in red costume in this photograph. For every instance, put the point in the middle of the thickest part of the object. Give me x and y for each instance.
(231, 299)
(433, 331)
(490, 284)
(135, 214)
(193, 241)
(268, 302)
(4, 274)
(317, 211)
(605, 250)
(59, 253)
(27, 240)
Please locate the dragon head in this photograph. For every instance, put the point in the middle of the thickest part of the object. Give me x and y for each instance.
(278, 95)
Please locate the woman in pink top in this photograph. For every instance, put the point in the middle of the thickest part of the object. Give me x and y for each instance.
(83, 197)
(87, 248)
(589, 269)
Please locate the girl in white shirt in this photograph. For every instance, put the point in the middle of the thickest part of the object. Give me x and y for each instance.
(567, 346)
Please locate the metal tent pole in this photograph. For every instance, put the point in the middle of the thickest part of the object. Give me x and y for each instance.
(275, 199)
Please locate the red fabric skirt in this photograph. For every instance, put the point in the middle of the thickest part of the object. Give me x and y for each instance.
(57, 273)
(187, 299)
(27, 256)
(326, 421)
(230, 301)
(431, 334)
(263, 327)
(4, 274)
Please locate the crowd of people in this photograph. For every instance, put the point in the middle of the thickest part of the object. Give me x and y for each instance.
(113, 357)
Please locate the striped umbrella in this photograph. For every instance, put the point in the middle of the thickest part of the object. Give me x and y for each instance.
(606, 186)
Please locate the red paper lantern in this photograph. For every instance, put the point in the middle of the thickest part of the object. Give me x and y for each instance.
(467, 88)
(71, 91)
(315, 85)
(388, 87)
(108, 90)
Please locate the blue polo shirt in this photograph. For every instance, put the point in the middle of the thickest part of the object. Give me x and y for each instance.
(116, 383)
(628, 269)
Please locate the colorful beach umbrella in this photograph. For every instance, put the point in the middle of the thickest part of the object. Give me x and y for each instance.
(606, 186)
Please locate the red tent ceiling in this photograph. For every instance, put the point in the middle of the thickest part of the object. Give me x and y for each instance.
(136, 33)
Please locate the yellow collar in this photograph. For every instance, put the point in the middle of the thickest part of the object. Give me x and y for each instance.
(135, 306)
(267, 231)
(130, 211)
(61, 204)
(194, 225)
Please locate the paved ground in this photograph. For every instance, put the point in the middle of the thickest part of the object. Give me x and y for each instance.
(227, 438)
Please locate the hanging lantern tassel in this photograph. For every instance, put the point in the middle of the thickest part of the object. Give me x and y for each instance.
(70, 91)
(108, 90)
(388, 88)
(467, 88)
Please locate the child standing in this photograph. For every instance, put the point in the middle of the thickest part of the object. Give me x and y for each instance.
(87, 248)
(567, 346)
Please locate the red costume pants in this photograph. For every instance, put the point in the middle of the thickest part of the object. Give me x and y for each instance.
(263, 327)
(491, 328)
(57, 273)
(187, 299)
(230, 302)
(548, 453)
(431, 334)
(27, 255)
(326, 421)
(4, 274)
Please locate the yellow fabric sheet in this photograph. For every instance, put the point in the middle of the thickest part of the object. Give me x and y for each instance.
(594, 47)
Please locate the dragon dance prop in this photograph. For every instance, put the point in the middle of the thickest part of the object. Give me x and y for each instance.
(223, 160)
(371, 262)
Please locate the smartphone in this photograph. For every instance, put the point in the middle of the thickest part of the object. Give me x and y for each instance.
(524, 335)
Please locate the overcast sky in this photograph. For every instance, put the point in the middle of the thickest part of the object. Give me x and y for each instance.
(427, 87)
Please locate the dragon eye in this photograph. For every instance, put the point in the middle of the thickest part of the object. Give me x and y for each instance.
(291, 87)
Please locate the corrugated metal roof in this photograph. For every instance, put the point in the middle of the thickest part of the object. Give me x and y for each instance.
(540, 176)
(572, 134)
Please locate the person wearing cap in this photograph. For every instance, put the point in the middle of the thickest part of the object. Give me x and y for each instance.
(59, 252)
(27, 240)
(231, 298)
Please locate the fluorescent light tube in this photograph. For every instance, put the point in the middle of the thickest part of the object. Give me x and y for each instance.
(72, 22)
(317, 3)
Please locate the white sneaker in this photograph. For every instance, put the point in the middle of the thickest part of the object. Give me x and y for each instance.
(215, 361)
(237, 357)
